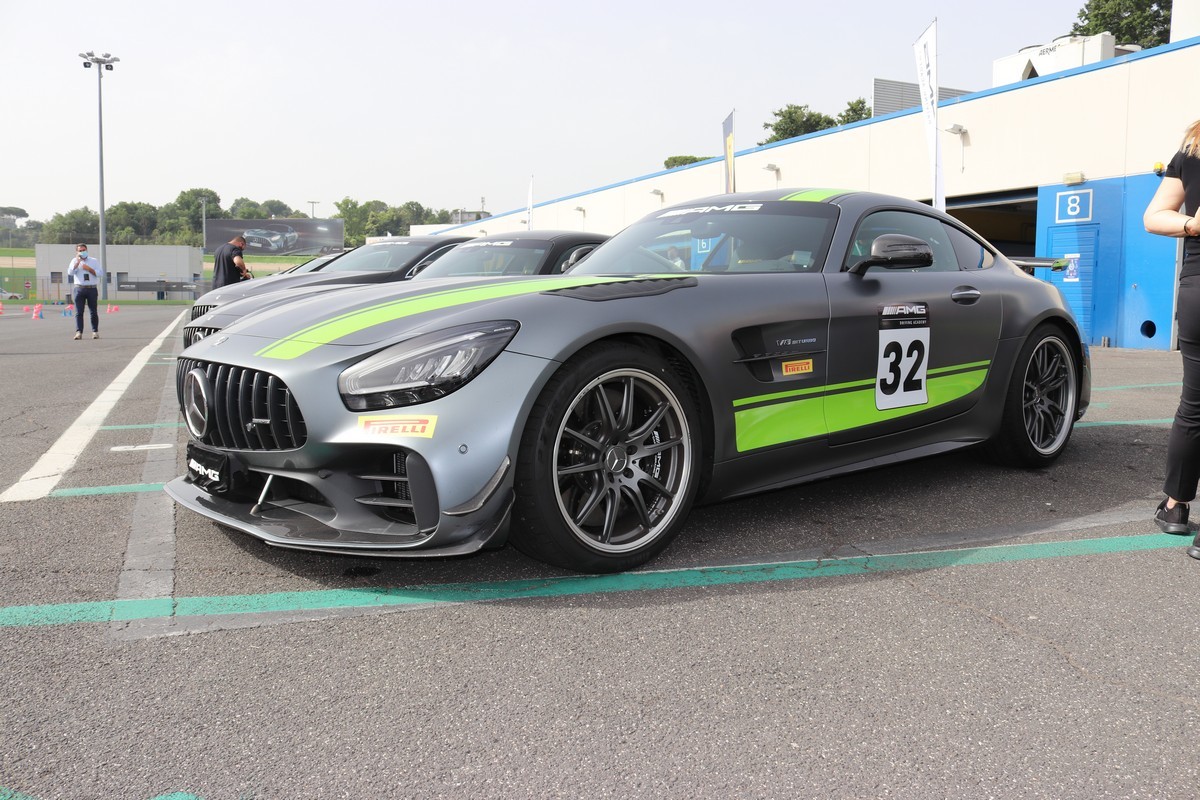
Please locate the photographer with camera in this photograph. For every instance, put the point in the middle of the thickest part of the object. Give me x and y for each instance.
(86, 273)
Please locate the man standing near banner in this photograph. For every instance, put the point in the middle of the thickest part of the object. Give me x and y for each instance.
(86, 273)
(228, 266)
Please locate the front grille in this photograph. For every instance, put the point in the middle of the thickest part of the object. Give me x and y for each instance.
(248, 409)
(191, 335)
(200, 311)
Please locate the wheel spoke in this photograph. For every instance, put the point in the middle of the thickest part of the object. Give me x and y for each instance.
(612, 503)
(607, 416)
(595, 495)
(650, 424)
(659, 447)
(625, 417)
(583, 439)
(638, 503)
(578, 469)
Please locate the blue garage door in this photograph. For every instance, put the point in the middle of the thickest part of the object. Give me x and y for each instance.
(1077, 284)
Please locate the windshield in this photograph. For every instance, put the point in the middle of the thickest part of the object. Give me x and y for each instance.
(769, 236)
(378, 257)
(499, 257)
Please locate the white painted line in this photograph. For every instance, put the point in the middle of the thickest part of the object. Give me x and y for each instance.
(41, 479)
(123, 448)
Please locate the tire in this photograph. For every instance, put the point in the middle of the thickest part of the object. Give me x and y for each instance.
(609, 462)
(1041, 402)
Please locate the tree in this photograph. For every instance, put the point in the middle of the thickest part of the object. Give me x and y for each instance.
(13, 211)
(139, 219)
(245, 208)
(79, 225)
(856, 110)
(793, 120)
(275, 208)
(682, 161)
(1142, 22)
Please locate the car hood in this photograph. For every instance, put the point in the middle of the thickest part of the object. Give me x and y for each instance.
(273, 283)
(367, 315)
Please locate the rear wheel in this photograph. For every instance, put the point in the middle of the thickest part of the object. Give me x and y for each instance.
(1039, 409)
(609, 462)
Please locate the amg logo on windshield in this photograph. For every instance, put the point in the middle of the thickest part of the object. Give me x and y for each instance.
(706, 209)
(911, 309)
(398, 426)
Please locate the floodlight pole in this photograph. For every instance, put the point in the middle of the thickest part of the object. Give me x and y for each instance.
(102, 62)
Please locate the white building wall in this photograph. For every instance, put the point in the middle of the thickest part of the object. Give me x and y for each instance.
(1110, 119)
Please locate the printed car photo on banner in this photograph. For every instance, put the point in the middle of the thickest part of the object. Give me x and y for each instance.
(278, 237)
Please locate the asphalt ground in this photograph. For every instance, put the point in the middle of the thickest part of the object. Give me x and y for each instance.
(944, 628)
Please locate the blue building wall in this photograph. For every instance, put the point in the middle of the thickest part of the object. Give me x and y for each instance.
(1122, 285)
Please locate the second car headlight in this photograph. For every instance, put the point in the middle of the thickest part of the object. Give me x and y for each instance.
(425, 367)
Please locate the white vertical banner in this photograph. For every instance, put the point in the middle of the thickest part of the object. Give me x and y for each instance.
(925, 49)
(529, 206)
(727, 144)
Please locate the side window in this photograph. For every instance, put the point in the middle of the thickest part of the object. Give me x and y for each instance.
(908, 223)
(970, 251)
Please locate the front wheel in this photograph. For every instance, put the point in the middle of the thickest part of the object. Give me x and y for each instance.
(609, 462)
(1041, 403)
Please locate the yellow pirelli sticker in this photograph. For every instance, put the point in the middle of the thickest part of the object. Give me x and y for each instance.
(393, 425)
(801, 367)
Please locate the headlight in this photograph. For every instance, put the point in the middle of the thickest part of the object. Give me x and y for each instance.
(425, 367)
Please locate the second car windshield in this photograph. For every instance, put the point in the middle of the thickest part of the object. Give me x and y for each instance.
(498, 257)
(768, 236)
(381, 257)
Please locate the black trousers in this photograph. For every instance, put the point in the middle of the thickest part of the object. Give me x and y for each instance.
(1183, 445)
(86, 295)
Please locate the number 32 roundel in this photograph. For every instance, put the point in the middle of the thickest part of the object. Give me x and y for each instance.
(903, 355)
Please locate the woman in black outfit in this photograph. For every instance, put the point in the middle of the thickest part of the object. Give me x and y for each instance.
(1180, 187)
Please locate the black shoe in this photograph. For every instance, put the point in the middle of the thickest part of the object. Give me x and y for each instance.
(1173, 520)
(1194, 550)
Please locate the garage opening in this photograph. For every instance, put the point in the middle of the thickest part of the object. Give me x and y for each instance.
(1008, 220)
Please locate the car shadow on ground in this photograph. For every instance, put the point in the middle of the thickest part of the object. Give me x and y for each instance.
(942, 498)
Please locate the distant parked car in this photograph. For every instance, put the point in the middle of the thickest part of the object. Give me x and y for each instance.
(516, 253)
(7, 295)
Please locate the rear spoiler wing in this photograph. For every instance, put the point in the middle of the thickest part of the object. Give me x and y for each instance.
(1029, 263)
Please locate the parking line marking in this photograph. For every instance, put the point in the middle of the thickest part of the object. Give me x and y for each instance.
(566, 586)
(83, 491)
(1125, 422)
(139, 427)
(41, 479)
(1175, 384)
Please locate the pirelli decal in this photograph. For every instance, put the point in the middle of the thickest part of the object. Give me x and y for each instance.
(802, 366)
(392, 425)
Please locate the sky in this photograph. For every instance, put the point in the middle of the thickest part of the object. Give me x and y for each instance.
(457, 104)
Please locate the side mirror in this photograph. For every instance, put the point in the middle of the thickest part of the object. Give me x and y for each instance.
(577, 256)
(896, 251)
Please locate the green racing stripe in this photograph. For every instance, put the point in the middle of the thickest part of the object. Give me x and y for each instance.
(791, 416)
(330, 330)
(814, 195)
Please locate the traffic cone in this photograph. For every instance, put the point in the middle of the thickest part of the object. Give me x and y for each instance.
(1, 308)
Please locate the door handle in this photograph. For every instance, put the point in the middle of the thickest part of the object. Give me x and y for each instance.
(965, 295)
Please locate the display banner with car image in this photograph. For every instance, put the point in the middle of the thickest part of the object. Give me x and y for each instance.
(278, 237)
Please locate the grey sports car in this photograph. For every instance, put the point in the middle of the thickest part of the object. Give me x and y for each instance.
(725, 346)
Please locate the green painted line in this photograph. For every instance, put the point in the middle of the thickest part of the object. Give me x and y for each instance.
(9, 794)
(566, 586)
(1177, 384)
(1124, 422)
(140, 427)
(85, 491)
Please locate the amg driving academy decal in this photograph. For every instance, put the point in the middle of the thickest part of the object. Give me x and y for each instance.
(392, 425)
(903, 355)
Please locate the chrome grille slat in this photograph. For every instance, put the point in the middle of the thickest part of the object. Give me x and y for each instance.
(200, 311)
(241, 396)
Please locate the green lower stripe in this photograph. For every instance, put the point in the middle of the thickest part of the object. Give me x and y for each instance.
(805, 418)
(130, 610)
(84, 491)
